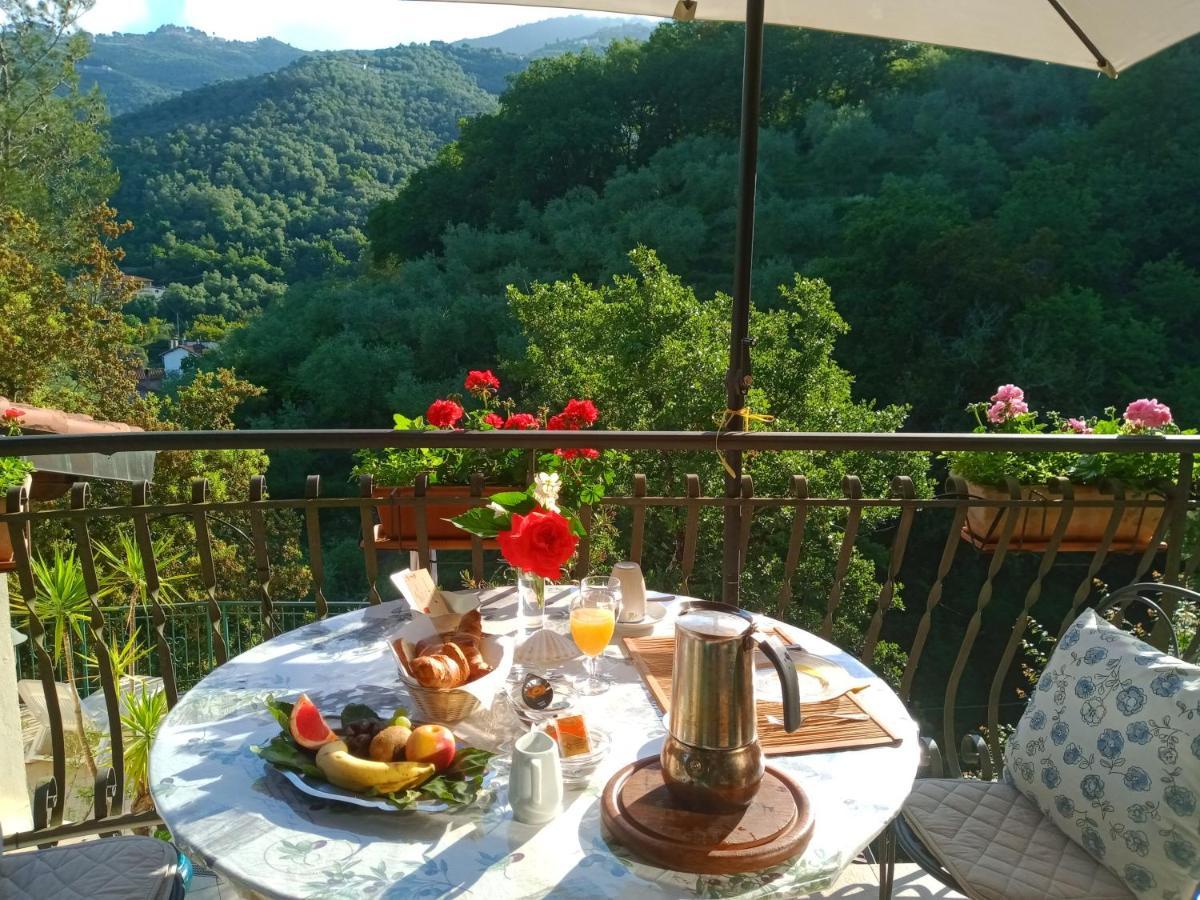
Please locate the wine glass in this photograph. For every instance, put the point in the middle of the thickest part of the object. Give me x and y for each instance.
(593, 618)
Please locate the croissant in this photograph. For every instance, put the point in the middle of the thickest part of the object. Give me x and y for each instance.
(472, 624)
(440, 670)
(470, 649)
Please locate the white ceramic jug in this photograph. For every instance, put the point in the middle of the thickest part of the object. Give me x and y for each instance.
(535, 787)
(633, 591)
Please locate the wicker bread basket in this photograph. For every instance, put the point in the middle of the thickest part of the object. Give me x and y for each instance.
(449, 705)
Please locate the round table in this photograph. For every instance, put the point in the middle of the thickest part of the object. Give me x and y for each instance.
(227, 808)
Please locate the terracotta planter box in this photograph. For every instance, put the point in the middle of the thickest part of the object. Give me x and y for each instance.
(399, 523)
(6, 550)
(1085, 530)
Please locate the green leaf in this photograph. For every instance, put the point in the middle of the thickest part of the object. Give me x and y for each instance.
(518, 502)
(577, 528)
(283, 753)
(481, 521)
(282, 711)
(356, 712)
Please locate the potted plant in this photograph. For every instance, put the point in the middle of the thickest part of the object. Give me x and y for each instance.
(14, 471)
(449, 469)
(1141, 474)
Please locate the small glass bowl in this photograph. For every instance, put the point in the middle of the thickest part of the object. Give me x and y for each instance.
(577, 770)
(561, 704)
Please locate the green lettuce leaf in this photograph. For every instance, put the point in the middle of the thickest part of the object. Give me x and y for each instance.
(283, 753)
(282, 711)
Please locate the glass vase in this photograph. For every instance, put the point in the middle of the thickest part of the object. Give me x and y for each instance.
(531, 591)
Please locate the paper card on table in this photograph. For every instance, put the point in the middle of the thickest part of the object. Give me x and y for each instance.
(417, 587)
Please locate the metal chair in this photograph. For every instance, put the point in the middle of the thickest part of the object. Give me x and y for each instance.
(1017, 812)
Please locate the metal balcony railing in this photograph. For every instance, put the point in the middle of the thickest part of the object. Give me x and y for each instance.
(949, 593)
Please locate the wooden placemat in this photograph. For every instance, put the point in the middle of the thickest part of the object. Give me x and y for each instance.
(654, 659)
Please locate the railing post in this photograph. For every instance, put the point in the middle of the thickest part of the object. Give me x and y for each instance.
(1183, 492)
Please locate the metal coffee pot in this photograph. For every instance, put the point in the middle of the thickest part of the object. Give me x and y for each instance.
(712, 760)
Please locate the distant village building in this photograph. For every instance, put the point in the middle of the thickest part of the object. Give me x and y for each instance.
(172, 360)
(146, 287)
(171, 363)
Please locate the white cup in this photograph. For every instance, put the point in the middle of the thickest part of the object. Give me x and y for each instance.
(633, 591)
(535, 788)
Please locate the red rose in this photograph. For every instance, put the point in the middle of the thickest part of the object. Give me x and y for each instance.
(581, 412)
(480, 382)
(13, 413)
(521, 422)
(578, 453)
(443, 413)
(494, 420)
(540, 542)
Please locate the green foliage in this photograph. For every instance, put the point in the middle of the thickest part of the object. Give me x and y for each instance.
(135, 70)
(144, 712)
(13, 471)
(574, 120)
(652, 354)
(240, 187)
(972, 215)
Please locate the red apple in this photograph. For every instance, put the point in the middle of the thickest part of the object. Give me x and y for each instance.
(431, 744)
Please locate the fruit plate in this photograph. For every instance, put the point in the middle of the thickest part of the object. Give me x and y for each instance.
(323, 790)
(464, 782)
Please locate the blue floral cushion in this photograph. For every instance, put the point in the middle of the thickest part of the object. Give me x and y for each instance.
(1109, 748)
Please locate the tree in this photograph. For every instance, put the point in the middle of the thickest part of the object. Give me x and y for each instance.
(652, 355)
(52, 144)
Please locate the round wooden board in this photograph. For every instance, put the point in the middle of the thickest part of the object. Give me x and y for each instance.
(638, 813)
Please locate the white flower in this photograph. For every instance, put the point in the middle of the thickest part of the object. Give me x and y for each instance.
(545, 490)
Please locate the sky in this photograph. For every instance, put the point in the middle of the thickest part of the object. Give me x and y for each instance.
(318, 24)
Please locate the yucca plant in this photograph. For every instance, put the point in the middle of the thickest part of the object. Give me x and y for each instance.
(126, 572)
(122, 657)
(144, 712)
(61, 602)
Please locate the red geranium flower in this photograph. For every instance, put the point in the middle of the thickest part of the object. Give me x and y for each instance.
(540, 542)
(558, 423)
(479, 382)
(443, 413)
(13, 413)
(578, 453)
(581, 412)
(494, 420)
(521, 422)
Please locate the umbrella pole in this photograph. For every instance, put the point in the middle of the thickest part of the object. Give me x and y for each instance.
(737, 381)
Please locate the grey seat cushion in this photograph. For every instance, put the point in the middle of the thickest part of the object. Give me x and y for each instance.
(117, 868)
(999, 846)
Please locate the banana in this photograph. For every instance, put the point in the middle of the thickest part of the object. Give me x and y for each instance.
(355, 774)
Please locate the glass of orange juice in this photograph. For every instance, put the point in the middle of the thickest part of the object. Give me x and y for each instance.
(593, 618)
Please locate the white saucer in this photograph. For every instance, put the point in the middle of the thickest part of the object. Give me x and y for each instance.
(655, 613)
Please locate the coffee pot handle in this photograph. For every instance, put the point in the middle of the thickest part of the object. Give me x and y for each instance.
(778, 654)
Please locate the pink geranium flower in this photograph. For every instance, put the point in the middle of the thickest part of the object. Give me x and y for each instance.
(1079, 426)
(1147, 414)
(1007, 403)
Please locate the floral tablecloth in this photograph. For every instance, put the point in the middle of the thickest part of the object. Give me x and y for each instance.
(229, 810)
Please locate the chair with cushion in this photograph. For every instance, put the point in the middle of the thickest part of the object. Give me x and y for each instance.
(1100, 795)
(114, 868)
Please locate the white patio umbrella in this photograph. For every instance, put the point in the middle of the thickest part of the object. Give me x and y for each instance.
(1106, 35)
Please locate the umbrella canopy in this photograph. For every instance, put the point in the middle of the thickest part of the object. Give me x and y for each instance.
(1104, 35)
(1110, 35)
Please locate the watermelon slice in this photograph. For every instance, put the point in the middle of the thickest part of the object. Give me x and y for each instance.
(308, 726)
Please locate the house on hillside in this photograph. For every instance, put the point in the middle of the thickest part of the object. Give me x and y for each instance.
(178, 351)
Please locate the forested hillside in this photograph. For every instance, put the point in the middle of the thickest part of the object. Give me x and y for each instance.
(135, 70)
(560, 35)
(239, 188)
(979, 219)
